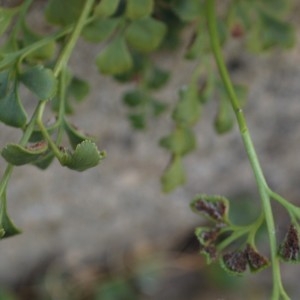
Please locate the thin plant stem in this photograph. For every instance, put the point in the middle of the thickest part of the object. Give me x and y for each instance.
(23, 141)
(263, 189)
(60, 65)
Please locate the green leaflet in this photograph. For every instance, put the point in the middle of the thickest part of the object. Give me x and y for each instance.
(106, 8)
(42, 53)
(63, 12)
(187, 10)
(100, 29)
(40, 81)
(18, 155)
(156, 78)
(45, 160)
(136, 9)
(181, 141)
(270, 31)
(134, 98)
(174, 175)
(145, 34)
(78, 88)
(158, 107)
(12, 112)
(85, 156)
(137, 120)
(188, 108)
(276, 32)
(224, 120)
(7, 227)
(278, 7)
(114, 58)
(4, 81)
(199, 45)
(75, 135)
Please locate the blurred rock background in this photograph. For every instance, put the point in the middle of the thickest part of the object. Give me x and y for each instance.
(113, 220)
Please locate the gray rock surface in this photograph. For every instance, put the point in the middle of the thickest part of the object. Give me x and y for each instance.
(110, 208)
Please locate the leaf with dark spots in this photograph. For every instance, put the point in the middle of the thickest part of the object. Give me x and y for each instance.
(207, 235)
(256, 261)
(289, 248)
(210, 252)
(213, 207)
(235, 262)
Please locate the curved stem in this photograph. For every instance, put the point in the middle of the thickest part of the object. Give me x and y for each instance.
(248, 144)
(59, 66)
(64, 57)
(23, 141)
(292, 209)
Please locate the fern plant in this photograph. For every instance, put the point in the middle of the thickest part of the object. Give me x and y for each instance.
(130, 31)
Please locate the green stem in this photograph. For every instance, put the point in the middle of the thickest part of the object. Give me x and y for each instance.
(23, 141)
(22, 14)
(233, 237)
(293, 210)
(62, 104)
(252, 156)
(64, 57)
(61, 65)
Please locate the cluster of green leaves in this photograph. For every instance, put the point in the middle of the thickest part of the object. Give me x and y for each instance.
(39, 63)
(129, 31)
(260, 25)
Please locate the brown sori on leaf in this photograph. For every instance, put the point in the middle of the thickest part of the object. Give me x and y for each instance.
(37, 146)
(289, 249)
(210, 252)
(235, 262)
(256, 261)
(214, 207)
(207, 235)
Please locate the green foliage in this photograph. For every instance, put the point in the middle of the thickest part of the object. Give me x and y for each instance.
(130, 30)
(174, 174)
(100, 29)
(181, 141)
(18, 155)
(40, 81)
(85, 156)
(106, 8)
(63, 12)
(6, 17)
(7, 227)
(12, 112)
(115, 58)
(136, 9)
(188, 10)
(145, 34)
